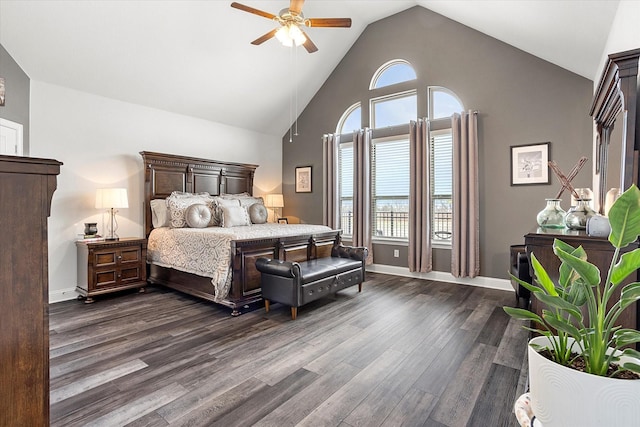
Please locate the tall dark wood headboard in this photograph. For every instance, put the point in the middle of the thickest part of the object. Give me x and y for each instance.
(165, 173)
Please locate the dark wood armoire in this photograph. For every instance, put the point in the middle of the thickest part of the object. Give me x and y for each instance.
(26, 188)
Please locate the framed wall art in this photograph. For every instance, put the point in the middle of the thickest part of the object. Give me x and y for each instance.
(530, 164)
(303, 179)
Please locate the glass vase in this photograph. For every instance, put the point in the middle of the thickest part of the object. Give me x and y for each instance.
(576, 217)
(552, 216)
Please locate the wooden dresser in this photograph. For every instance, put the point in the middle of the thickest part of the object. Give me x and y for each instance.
(26, 188)
(599, 252)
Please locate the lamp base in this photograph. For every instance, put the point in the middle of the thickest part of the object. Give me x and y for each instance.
(111, 239)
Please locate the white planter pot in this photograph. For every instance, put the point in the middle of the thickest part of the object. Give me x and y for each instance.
(564, 397)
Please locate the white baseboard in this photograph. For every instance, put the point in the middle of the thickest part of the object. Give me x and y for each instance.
(441, 276)
(60, 295)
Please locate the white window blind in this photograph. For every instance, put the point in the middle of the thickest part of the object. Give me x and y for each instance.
(390, 172)
(345, 179)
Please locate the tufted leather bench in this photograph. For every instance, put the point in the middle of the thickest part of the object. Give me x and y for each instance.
(298, 283)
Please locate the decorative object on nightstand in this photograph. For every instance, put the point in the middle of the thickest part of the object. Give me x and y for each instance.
(112, 199)
(110, 266)
(275, 201)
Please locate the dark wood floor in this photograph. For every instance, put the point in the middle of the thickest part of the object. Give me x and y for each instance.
(403, 352)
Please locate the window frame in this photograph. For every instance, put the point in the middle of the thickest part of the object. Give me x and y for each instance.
(384, 67)
(379, 99)
(345, 116)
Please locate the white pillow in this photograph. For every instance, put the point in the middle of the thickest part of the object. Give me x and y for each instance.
(197, 216)
(159, 213)
(234, 216)
(219, 203)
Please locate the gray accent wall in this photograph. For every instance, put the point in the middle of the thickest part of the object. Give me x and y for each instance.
(521, 99)
(17, 85)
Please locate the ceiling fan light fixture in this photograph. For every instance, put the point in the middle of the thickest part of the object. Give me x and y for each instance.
(289, 34)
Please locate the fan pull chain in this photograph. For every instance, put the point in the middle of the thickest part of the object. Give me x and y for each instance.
(296, 89)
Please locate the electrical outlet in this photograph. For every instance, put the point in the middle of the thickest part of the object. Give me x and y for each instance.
(396, 253)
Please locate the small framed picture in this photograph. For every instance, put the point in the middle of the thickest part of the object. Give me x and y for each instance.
(530, 164)
(283, 221)
(303, 179)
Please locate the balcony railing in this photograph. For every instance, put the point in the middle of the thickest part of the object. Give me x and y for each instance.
(395, 224)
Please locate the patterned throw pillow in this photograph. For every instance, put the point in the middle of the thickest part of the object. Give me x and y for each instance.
(235, 216)
(178, 203)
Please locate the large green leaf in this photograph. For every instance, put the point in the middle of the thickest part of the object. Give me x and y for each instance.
(624, 337)
(521, 314)
(577, 294)
(629, 295)
(628, 264)
(562, 325)
(567, 274)
(624, 217)
(586, 270)
(542, 276)
(531, 287)
(559, 303)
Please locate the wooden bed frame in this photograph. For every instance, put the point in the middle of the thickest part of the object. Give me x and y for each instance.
(165, 173)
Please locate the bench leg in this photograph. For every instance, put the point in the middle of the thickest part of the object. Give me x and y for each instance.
(266, 305)
(359, 287)
(294, 313)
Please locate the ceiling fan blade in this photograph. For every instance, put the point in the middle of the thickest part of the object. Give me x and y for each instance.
(265, 37)
(296, 6)
(308, 44)
(252, 10)
(329, 22)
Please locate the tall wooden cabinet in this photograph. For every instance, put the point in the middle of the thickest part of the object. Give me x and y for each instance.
(26, 188)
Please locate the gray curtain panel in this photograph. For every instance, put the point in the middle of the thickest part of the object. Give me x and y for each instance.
(331, 209)
(362, 191)
(465, 244)
(420, 253)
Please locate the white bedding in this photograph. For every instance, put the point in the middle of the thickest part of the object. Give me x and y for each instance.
(207, 251)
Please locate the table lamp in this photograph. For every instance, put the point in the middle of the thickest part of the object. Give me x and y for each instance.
(112, 199)
(275, 201)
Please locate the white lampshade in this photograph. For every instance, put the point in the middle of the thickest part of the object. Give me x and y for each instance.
(107, 198)
(274, 201)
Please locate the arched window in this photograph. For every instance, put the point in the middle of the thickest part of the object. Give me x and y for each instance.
(390, 153)
(443, 103)
(396, 71)
(351, 119)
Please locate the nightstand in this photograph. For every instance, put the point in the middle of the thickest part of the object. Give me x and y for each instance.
(110, 266)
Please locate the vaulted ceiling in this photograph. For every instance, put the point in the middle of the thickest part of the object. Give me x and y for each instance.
(195, 57)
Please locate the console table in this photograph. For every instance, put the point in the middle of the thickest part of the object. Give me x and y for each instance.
(599, 252)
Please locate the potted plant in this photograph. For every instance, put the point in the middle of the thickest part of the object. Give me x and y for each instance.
(595, 394)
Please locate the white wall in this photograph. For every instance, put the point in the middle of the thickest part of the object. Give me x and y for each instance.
(98, 140)
(624, 34)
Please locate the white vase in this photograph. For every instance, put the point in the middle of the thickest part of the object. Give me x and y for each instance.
(563, 397)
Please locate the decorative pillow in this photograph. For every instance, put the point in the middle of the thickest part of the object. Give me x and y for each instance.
(197, 216)
(219, 203)
(159, 213)
(258, 213)
(234, 216)
(178, 204)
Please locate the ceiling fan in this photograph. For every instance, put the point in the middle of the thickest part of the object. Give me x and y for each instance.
(291, 22)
